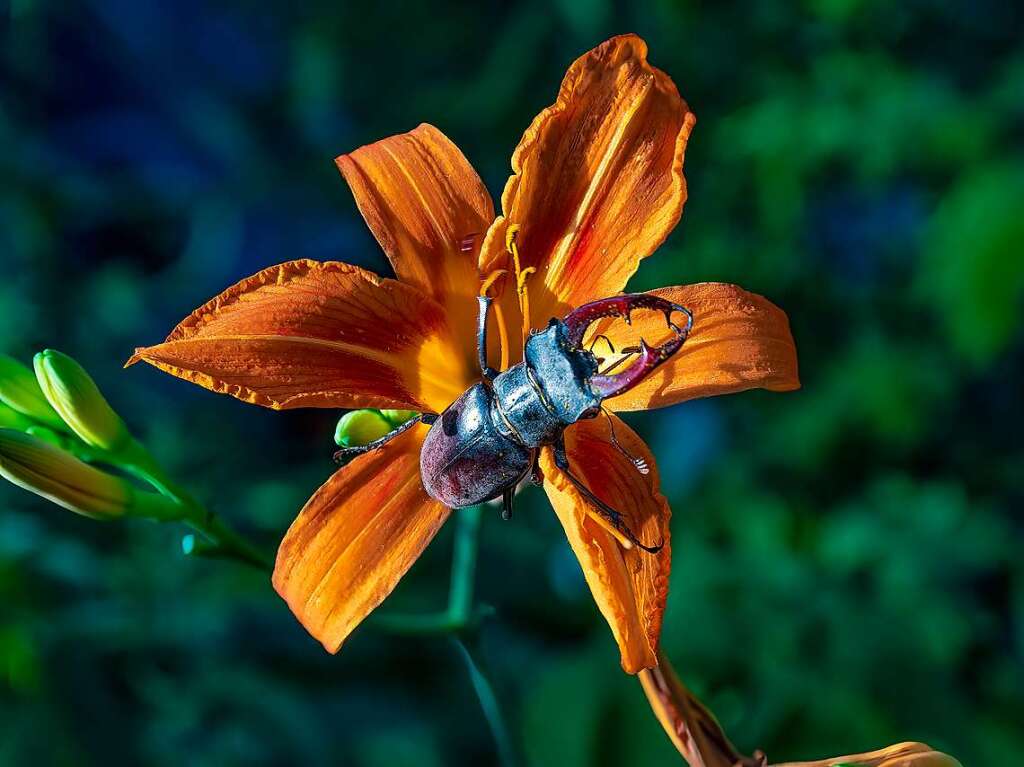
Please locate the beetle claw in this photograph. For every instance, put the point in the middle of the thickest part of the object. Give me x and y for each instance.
(577, 322)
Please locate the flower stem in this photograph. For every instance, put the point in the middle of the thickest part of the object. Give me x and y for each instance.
(221, 541)
(461, 620)
(226, 542)
(469, 650)
(460, 609)
(467, 543)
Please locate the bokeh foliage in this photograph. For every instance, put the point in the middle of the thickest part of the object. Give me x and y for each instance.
(847, 558)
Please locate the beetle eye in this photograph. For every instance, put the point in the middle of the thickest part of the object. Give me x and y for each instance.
(590, 412)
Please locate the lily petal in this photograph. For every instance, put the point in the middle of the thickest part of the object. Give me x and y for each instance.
(739, 341)
(629, 585)
(355, 539)
(310, 334)
(900, 755)
(597, 179)
(421, 199)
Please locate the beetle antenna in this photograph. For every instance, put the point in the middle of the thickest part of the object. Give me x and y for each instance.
(639, 463)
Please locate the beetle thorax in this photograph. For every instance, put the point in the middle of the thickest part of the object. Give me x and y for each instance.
(549, 390)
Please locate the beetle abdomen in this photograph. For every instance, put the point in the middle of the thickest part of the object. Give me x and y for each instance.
(465, 459)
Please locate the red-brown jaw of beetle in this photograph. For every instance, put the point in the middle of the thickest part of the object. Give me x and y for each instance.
(606, 384)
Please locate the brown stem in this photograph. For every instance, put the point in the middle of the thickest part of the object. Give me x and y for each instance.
(689, 724)
(700, 739)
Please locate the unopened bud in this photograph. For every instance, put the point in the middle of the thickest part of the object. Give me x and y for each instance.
(12, 419)
(46, 470)
(47, 435)
(360, 427)
(398, 417)
(20, 391)
(75, 396)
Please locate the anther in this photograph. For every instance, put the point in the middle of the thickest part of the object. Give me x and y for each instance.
(493, 277)
(521, 275)
(510, 236)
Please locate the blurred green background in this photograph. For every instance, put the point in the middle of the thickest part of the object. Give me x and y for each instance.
(847, 565)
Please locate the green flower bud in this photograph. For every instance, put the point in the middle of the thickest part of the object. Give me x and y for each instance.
(398, 417)
(20, 391)
(12, 419)
(360, 427)
(46, 470)
(72, 393)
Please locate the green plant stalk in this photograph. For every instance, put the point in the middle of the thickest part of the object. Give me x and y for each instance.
(461, 621)
(225, 542)
(464, 556)
(507, 754)
(133, 458)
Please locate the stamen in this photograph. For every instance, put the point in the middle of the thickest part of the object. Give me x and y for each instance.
(493, 277)
(626, 354)
(597, 338)
(521, 275)
(499, 316)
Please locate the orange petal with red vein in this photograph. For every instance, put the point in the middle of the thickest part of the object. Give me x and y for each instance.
(739, 341)
(355, 539)
(421, 199)
(629, 585)
(310, 334)
(597, 179)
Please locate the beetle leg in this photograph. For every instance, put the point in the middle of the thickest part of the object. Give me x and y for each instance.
(351, 452)
(506, 504)
(486, 370)
(639, 463)
(536, 475)
(499, 318)
(611, 518)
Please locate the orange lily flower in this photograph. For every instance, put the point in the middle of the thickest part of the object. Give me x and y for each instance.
(597, 185)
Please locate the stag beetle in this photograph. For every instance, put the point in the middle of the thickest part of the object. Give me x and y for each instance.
(488, 439)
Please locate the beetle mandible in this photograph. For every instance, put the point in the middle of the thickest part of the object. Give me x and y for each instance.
(488, 440)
